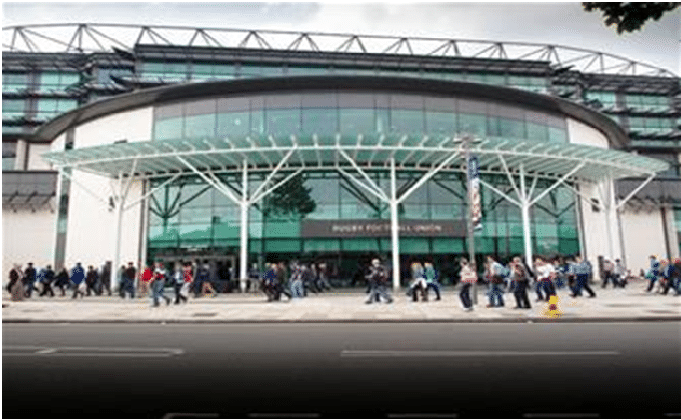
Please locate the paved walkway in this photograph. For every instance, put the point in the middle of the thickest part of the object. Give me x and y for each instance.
(631, 304)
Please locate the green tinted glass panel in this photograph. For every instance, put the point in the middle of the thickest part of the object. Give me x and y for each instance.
(557, 135)
(475, 124)
(355, 121)
(407, 121)
(226, 229)
(321, 245)
(171, 128)
(282, 229)
(283, 122)
(282, 245)
(233, 124)
(443, 123)
(448, 245)
(320, 120)
(537, 132)
(200, 126)
(511, 128)
(364, 244)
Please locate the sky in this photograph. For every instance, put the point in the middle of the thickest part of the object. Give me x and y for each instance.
(565, 24)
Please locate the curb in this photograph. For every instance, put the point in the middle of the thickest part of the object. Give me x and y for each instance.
(351, 321)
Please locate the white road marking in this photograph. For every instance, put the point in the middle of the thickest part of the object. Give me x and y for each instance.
(90, 351)
(454, 353)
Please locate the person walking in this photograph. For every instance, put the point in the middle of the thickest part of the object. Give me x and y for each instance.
(281, 287)
(653, 272)
(323, 277)
(296, 280)
(495, 275)
(269, 282)
(90, 280)
(77, 278)
(608, 273)
(665, 275)
(178, 282)
(206, 286)
(253, 278)
(418, 282)
(146, 277)
(14, 276)
(521, 281)
(46, 278)
(105, 278)
(62, 281)
(545, 275)
(15, 286)
(129, 274)
(431, 280)
(29, 279)
(581, 270)
(619, 274)
(674, 278)
(468, 278)
(377, 278)
(158, 284)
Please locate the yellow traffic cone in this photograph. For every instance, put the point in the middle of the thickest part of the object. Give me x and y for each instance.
(552, 310)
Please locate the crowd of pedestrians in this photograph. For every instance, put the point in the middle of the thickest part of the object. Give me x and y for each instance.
(297, 279)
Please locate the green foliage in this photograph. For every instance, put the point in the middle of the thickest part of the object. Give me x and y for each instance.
(630, 17)
(291, 199)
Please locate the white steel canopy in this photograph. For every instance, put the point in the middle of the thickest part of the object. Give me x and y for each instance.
(350, 155)
(548, 160)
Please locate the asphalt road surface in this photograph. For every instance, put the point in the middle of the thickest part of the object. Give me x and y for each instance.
(560, 370)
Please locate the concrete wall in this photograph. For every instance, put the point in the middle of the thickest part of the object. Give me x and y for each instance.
(643, 233)
(35, 161)
(91, 224)
(27, 237)
(595, 233)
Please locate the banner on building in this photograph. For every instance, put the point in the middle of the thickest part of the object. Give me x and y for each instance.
(474, 192)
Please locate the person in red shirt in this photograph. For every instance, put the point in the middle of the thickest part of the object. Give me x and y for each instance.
(145, 278)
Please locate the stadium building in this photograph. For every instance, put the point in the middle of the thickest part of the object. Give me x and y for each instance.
(130, 143)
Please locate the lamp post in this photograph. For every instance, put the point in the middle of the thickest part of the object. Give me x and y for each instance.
(469, 220)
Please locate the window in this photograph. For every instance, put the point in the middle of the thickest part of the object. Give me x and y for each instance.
(606, 99)
(13, 108)
(14, 82)
(57, 81)
(9, 154)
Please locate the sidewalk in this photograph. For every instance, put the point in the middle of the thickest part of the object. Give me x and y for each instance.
(630, 304)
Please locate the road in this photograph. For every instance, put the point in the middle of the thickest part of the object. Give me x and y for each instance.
(618, 370)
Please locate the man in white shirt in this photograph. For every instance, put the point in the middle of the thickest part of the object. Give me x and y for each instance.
(545, 274)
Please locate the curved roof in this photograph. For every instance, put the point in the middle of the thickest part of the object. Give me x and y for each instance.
(103, 37)
(186, 91)
(162, 158)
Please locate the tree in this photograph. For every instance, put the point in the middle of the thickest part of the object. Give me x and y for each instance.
(630, 17)
(291, 199)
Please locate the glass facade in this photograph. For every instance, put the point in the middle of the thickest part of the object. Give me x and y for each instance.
(188, 214)
(167, 71)
(328, 113)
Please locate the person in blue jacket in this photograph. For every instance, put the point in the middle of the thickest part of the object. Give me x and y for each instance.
(77, 277)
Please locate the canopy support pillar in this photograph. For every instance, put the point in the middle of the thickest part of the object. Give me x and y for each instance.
(243, 262)
(119, 206)
(394, 228)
